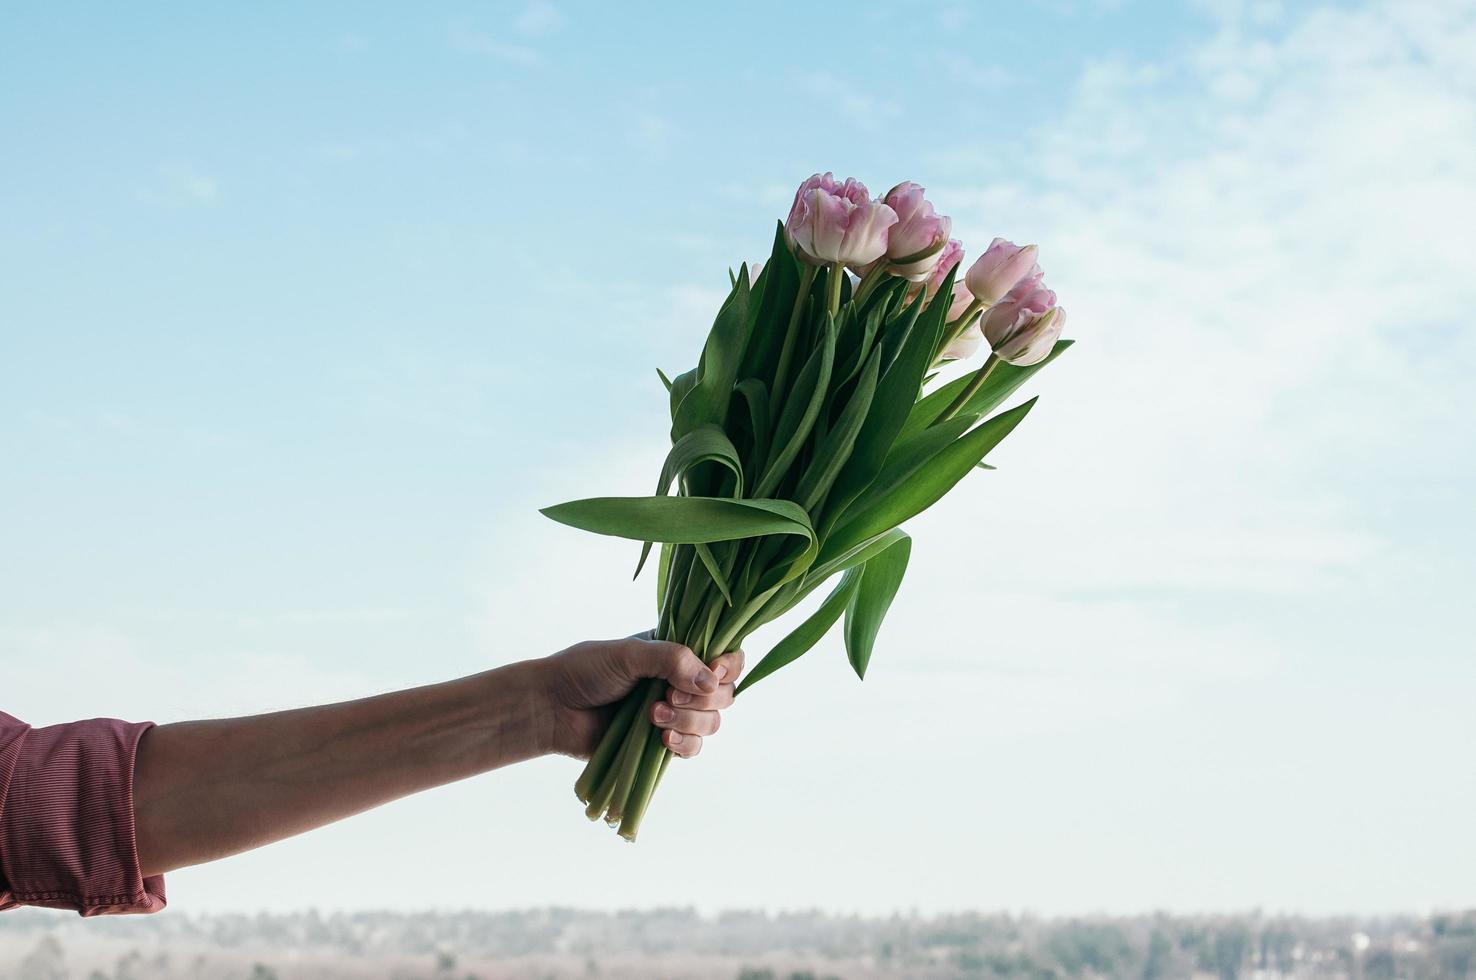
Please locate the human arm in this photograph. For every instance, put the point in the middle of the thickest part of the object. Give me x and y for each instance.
(207, 789)
(93, 813)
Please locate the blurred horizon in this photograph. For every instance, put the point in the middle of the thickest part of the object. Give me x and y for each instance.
(674, 943)
(305, 312)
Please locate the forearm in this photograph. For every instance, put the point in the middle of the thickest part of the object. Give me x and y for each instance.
(207, 789)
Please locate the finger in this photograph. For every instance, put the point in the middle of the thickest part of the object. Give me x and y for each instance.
(680, 667)
(723, 698)
(727, 667)
(685, 720)
(681, 745)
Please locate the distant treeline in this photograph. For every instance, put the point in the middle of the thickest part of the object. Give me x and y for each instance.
(674, 943)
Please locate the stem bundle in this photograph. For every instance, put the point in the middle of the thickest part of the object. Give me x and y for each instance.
(801, 441)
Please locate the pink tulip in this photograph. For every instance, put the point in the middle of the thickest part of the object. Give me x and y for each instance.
(1023, 327)
(917, 242)
(948, 259)
(834, 222)
(1002, 266)
(965, 344)
(962, 300)
(971, 337)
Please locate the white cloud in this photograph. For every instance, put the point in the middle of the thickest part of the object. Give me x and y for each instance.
(1091, 671)
(1261, 240)
(1262, 244)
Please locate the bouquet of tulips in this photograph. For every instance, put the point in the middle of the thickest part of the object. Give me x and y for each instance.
(811, 428)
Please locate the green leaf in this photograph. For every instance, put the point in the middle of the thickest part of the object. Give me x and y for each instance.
(780, 282)
(853, 342)
(673, 599)
(1000, 384)
(801, 406)
(707, 402)
(681, 387)
(804, 636)
(710, 562)
(859, 554)
(663, 573)
(835, 449)
(665, 381)
(889, 410)
(683, 520)
(900, 325)
(756, 397)
(891, 299)
(880, 579)
(907, 456)
(705, 444)
(926, 485)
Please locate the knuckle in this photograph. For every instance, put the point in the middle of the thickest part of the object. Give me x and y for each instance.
(626, 653)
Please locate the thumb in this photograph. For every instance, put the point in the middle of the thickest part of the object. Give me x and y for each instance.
(674, 663)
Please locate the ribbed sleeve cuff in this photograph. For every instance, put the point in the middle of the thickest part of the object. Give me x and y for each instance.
(67, 837)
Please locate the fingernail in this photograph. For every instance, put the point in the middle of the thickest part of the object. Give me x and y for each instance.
(679, 697)
(676, 739)
(705, 680)
(720, 672)
(663, 713)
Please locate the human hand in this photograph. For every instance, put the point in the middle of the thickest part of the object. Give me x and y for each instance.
(585, 683)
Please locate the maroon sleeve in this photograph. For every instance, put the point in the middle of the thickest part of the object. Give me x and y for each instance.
(66, 818)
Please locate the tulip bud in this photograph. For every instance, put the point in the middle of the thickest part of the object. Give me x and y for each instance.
(968, 337)
(965, 344)
(920, 236)
(962, 300)
(1002, 267)
(1023, 328)
(838, 223)
(948, 260)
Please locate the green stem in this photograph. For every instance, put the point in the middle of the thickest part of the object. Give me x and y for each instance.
(604, 753)
(956, 327)
(973, 386)
(653, 762)
(741, 618)
(599, 800)
(786, 353)
(631, 753)
(833, 288)
(663, 616)
(870, 281)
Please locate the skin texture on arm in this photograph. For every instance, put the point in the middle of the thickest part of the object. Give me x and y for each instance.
(208, 789)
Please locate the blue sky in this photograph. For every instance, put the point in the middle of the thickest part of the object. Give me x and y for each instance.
(303, 312)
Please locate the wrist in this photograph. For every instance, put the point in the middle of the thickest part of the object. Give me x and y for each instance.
(517, 699)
